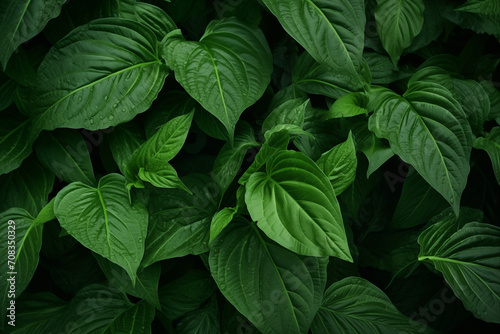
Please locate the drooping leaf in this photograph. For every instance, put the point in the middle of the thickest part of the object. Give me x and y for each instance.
(100, 75)
(354, 305)
(226, 71)
(468, 257)
(21, 20)
(294, 203)
(20, 249)
(491, 144)
(65, 153)
(331, 32)
(398, 22)
(339, 164)
(103, 220)
(180, 222)
(427, 128)
(277, 290)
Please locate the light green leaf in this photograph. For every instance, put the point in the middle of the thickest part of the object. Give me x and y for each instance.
(20, 252)
(349, 105)
(398, 22)
(150, 160)
(289, 112)
(46, 214)
(65, 153)
(332, 32)
(294, 203)
(354, 305)
(17, 135)
(227, 71)
(27, 187)
(277, 290)
(339, 164)
(491, 144)
(487, 7)
(468, 257)
(220, 220)
(428, 129)
(21, 20)
(180, 222)
(103, 220)
(99, 75)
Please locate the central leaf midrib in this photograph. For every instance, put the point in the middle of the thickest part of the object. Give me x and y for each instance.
(20, 20)
(106, 223)
(262, 241)
(219, 85)
(96, 82)
(444, 259)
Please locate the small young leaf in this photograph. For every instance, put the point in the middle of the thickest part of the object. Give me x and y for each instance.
(220, 220)
(349, 105)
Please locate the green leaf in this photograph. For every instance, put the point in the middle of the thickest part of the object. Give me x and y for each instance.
(180, 222)
(150, 160)
(277, 290)
(220, 220)
(46, 214)
(228, 162)
(27, 187)
(354, 305)
(17, 135)
(349, 105)
(227, 71)
(289, 112)
(146, 285)
(65, 153)
(123, 142)
(295, 205)
(418, 203)
(23, 19)
(7, 90)
(339, 164)
(331, 32)
(150, 16)
(467, 257)
(20, 252)
(36, 311)
(204, 320)
(136, 319)
(185, 294)
(99, 75)
(427, 128)
(487, 7)
(398, 22)
(102, 220)
(383, 70)
(491, 144)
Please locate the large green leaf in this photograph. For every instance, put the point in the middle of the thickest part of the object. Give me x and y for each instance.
(339, 164)
(202, 321)
(332, 32)
(103, 220)
(354, 305)
(428, 129)
(23, 19)
(398, 22)
(180, 222)
(149, 162)
(19, 249)
(277, 290)
(17, 135)
(491, 144)
(488, 7)
(468, 256)
(65, 153)
(227, 71)
(100, 75)
(295, 205)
